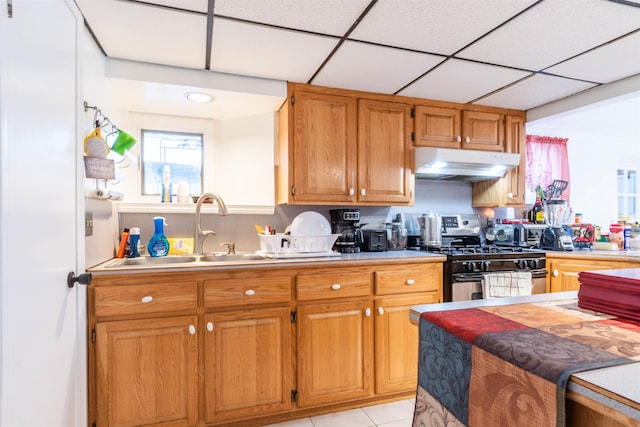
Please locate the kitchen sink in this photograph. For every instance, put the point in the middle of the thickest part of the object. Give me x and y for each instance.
(225, 257)
(147, 261)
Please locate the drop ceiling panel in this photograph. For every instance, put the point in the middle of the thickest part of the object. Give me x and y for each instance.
(259, 51)
(435, 26)
(195, 5)
(553, 31)
(148, 34)
(332, 17)
(372, 68)
(534, 91)
(598, 65)
(462, 81)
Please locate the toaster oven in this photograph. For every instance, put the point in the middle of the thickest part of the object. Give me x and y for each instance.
(521, 235)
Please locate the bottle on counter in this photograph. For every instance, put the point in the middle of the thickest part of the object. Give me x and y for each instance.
(166, 184)
(536, 214)
(134, 239)
(158, 244)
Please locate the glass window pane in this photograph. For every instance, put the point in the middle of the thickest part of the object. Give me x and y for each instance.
(631, 206)
(182, 152)
(631, 182)
(620, 181)
(621, 209)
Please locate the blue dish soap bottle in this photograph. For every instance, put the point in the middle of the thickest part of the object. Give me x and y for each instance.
(134, 238)
(158, 244)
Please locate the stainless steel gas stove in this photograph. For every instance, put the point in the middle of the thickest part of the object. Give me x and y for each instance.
(468, 259)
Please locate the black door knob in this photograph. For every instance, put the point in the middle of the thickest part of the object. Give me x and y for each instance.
(83, 279)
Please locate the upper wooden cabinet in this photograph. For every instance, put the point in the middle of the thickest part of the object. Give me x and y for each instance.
(335, 148)
(454, 128)
(507, 191)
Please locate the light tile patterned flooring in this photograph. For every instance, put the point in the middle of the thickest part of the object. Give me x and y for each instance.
(394, 414)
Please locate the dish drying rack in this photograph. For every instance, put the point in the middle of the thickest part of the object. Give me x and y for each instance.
(297, 246)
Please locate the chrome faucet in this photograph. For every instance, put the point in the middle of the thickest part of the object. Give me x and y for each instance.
(199, 235)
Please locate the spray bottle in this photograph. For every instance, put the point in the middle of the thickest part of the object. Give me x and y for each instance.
(158, 244)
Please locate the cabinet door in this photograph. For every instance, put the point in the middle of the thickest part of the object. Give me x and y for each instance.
(482, 131)
(248, 366)
(564, 274)
(396, 348)
(325, 148)
(147, 372)
(335, 352)
(437, 127)
(385, 156)
(507, 191)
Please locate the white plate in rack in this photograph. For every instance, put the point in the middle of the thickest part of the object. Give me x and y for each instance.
(310, 222)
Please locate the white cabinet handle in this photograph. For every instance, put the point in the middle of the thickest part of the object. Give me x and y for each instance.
(336, 286)
(555, 273)
(249, 292)
(467, 140)
(146, 299)
(192, 329)
(380, 311)
(352, 191)
(363, 192)
(410, 282)
(210, 326)
(458, 138)
(367, 312)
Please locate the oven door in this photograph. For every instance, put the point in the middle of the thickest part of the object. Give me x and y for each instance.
(468, 286)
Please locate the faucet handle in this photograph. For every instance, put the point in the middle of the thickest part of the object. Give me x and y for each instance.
(231, 247)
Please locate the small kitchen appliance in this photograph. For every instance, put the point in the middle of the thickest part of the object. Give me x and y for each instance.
(374, 240)
(345, 223)
(554, 237)
(521, 234)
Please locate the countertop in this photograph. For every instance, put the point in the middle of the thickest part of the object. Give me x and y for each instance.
(388, 257)
(597, 254)
(614, 387)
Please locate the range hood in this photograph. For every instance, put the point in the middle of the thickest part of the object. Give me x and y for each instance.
(462, 165)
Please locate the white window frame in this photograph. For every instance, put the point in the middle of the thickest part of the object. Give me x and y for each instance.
(624, 194)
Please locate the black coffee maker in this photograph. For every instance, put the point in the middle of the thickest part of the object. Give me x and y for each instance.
(345, 223)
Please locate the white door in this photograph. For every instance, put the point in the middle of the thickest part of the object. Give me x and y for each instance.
(42, 357)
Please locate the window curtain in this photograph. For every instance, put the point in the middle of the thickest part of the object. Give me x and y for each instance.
(547, 160)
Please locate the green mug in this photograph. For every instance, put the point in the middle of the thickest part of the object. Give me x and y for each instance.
(123, 142)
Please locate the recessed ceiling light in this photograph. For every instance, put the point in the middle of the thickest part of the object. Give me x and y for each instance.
(201, 98)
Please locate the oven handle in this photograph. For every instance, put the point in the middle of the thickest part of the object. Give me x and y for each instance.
(477, 277)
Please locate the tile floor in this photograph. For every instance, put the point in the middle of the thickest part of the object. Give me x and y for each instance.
(393, 414)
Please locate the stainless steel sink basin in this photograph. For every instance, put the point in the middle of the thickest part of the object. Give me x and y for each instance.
(224, 257)
(171, 259)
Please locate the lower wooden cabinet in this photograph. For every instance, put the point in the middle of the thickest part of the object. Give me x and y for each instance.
(563, 272)
(225, 347)
(147, 372)
(247, 363)
(335, 358)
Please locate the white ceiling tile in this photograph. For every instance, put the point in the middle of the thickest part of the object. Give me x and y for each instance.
(434, 26)
(372, 68)
(553, 31)
(534, 91)
(332, 17)
(148, 34)
(597, 65)
(462, 81)
(259, 51)
(195, 5)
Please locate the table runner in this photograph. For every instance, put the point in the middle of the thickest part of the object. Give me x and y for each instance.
(509, 365)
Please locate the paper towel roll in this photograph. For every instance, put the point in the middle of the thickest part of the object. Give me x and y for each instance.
(103, 193)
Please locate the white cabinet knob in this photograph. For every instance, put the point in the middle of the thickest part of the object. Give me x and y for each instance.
(380, 311)
(249, 292)
(555, 273)
(458, 138)
(363, 192)
(146, 299)
(467, 140)
(410, 282)
(510, 196)
(367, 312)
(210, 326)
(192, 329)
(352, 191)
(335, 286)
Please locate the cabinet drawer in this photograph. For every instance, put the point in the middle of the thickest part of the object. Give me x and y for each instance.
(242, 292)
(141, 299)
(334, 285)
(409, 279)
